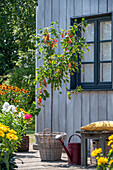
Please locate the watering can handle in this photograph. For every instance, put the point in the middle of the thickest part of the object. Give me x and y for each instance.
(46, 130)
(72, 136)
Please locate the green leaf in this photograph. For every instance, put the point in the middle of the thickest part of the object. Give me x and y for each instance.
(60, 92)
(40, 29)
(41, 49)
(83, 19)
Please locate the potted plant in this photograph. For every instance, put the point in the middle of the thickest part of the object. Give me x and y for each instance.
(13, 115)
(55, 71)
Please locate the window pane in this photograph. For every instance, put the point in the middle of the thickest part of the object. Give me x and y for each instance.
(105, 51)
(89, 32)
(88, 75)
(105, 72)
(88, 56)
(105, 30)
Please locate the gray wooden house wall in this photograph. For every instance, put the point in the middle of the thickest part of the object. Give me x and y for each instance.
(85, 107)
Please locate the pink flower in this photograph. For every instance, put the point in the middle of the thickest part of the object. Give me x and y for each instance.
(28, 116)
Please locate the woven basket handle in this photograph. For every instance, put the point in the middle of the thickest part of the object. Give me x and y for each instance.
(72, 136)
(44, 131)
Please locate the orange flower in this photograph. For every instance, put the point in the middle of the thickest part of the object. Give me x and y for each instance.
(10, 87)
(13, 87)
(69, 65)
(16, 101)
(28, 95)
(3, 88)
(6, 87)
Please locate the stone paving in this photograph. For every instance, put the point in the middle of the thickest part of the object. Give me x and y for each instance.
(31, 161)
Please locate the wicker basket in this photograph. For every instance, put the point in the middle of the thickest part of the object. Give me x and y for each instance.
(49, 148)
(24, 147)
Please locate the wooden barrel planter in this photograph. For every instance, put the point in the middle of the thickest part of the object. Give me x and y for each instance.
(49, 148)
(24, 147)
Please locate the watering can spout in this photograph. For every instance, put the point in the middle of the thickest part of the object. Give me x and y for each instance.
(59, 137)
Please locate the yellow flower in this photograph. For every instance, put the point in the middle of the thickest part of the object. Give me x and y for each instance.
(99, 150)
(110, 162)
(12, 136)
(15, 137)
(111, 150)
(21, 109)
(2, 133)
(109, 143)
(4, 128)
(1, 124)
(110, 137)
(96, 152)
(102, 160)
(112, 146)
(12, 131)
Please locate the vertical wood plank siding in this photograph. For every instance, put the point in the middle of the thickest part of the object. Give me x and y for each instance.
(84, 107)
(94, 6)
(55, 17)
(62, 102)
(47, 21)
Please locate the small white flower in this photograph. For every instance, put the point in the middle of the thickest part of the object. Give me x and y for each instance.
(6, 107)
(21, 114)
(12, 109)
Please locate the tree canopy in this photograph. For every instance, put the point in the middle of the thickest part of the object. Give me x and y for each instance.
(17, 24)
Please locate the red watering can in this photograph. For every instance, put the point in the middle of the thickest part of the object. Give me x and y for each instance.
(73, 151)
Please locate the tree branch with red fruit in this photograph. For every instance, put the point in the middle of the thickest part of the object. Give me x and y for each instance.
(56, 67)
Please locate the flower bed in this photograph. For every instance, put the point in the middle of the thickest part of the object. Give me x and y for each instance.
(14, 122)
(8, 145)
(104, 163)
